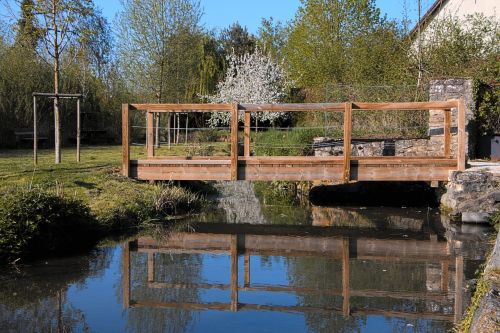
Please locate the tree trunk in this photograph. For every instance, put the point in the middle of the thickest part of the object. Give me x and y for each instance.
(57, 118)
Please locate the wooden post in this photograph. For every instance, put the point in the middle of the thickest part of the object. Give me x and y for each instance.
(459, 272)
(187, 123)
(151, 267)
(234, 272)
(246, 138)
(347, 141)
(150, 147)
(125, 141)
(169, 125)
(246, 267)
(461, 135)
(78, 123)
(234, 142)
(126, 275)
(345, 277)
(447, 133)
(35, 134)
(178, 128)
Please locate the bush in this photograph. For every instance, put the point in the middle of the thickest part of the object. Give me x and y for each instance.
(36, 222)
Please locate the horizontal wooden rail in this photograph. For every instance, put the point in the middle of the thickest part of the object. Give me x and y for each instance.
(406, 106)
(182, 107)
(292, 107)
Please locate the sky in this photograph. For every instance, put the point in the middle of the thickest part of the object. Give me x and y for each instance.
(218, 14)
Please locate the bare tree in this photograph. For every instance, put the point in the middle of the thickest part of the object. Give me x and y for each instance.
(58, 26)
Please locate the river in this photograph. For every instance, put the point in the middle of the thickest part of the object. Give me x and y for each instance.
(248, 267)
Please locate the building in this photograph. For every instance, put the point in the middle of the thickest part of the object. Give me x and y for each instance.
(456, 9)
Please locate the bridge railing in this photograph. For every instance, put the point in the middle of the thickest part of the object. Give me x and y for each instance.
(346, 108)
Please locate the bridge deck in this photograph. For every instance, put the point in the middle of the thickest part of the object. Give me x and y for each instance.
(294, 168)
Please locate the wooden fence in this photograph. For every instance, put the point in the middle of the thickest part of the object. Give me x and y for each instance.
(294, 168)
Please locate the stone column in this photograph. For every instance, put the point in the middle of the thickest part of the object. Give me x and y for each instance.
(442, 90)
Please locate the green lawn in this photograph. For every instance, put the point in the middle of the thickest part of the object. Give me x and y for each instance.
(96, 180)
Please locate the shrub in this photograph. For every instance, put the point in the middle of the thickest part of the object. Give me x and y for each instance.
(36, 222)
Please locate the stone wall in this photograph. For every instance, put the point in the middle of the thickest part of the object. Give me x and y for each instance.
(325, 146)
(474, 194)
(442, 90)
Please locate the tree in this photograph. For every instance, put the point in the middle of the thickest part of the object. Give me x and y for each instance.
(58, 23)
(250, 78)
(342, 42)
(149, 49)
(237, 40)
(28, 34)
(272, 38)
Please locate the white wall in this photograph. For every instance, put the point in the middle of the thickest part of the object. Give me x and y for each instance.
(462, 8)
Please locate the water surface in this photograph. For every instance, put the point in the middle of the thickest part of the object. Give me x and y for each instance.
(318, 269)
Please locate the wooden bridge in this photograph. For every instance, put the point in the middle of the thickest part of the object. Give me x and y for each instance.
(294, 168)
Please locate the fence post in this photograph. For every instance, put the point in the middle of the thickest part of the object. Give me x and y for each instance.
(150, 134)
(125, 141)
(234, 141)
(347, 141)
(461, 135)
(246, 137)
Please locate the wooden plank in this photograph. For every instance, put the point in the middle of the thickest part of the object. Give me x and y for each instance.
(178, 305)
(151, 267)
(292, 107)
(246, 270)
(369, 293)
(234, 141)
(345, 277)
(444, 276)
(234, 272)
(406, 106)
(447, 133)
(246, 135)
(126, 274)
(347, 142)
(159, 159)
(284, 308)
(461, 135)
(339, 160)
(125, 140)
(150, 135)
(225, 161)
(183, 107)
(459, 276)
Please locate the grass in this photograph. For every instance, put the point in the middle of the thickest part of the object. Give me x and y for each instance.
(118, 204)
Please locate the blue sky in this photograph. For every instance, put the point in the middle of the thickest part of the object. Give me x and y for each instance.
(222, 13)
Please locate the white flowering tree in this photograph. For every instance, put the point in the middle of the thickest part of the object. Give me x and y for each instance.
(250, 78)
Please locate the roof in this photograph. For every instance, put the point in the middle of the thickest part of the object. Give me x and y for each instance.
(428, 16)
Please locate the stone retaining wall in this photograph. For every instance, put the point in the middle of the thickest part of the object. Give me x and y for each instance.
(325, 146)
(473, 194)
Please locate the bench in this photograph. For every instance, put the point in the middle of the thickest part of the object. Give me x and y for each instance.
(25, 136)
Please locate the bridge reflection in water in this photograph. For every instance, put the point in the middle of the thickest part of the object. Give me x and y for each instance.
(425, 278)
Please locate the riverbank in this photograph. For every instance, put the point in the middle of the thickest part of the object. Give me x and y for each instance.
(484, 310)
(93, 189)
